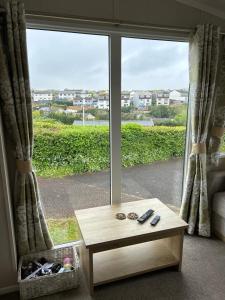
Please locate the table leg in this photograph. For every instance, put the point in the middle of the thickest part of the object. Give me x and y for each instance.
(87, 266)
(175, 244)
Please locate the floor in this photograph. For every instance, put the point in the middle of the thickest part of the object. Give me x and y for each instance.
(202, 277)
(60, 196)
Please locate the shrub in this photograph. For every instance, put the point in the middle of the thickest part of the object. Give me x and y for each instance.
(143, 145)
(61, 149)
(64, 150)
(62, 117)
(162, 111)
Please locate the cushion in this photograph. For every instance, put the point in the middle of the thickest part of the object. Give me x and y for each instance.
(219, 204)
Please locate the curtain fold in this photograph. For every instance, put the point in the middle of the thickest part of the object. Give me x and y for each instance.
(15, 100)
(203, 63)
(218, 129)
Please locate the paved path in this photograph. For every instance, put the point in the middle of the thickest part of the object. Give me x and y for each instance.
(60, 196)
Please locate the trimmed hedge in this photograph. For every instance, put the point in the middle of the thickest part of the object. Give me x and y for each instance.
(65, 150)
(143, 145)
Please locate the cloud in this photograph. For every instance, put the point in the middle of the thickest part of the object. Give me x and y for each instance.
(70, 60)
(59, 60)
(149, 64)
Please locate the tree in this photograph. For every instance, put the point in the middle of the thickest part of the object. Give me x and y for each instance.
(181, 118)
(127, 109)
(162, 111)
(62, 102)
(93, 111)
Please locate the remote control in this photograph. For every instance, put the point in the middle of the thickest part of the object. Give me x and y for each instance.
(145, 216)
(155, 220)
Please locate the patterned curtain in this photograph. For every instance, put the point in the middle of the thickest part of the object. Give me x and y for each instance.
(203, 61)
(15, 100)
(217, 131)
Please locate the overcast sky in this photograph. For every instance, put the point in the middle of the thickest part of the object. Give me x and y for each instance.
(59, 60)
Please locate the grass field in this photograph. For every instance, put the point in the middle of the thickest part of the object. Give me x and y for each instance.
(63, 230)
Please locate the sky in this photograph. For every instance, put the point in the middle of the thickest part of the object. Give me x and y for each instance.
(59, 60)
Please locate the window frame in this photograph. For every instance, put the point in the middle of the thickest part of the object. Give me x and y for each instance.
(115, 35)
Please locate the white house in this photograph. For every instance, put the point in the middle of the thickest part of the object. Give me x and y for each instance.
(135, 98)
(85, 94)
(84, 101)
(66, 94)
(70, 111)
(178, 97)
(141, 98)
(162, 98)
(146, 100)
(103, 104)
(125, 102)
(42, 95)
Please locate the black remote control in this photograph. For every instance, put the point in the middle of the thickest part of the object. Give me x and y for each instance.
(145, 216)
(155, 220)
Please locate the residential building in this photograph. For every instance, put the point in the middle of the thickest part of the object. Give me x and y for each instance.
(102, 100)
(85, 94)
(178, 97)
(141, 98)
(162, 98)
(84, 101)
(66, 94)
(125, 102)
(71, 110)
(42, 95)
(146, 100)
(78, 108)
(103, 104)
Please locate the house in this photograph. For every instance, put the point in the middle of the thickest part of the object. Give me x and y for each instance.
(71, 110)
(178, 97)
(40, 95)
(162, 98)
(66, 94)
(125, 99)
(141, 98)
(78, 101)
(102, 103)
(83, 94)
(90, 117)
(125, 102)
(146, 100)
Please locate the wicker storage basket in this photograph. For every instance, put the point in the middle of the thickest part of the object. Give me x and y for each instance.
(49, 284)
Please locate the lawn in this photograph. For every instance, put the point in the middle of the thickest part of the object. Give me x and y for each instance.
(63, 230)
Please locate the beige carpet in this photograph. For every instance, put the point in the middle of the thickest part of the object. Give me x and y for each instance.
(202, 277)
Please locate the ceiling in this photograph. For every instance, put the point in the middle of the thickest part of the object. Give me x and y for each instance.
(215, 7)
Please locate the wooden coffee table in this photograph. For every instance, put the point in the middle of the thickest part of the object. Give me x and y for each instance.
(114, 249)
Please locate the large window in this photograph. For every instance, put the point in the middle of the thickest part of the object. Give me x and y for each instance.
(154, 109)
(70, 89)
(87, 127)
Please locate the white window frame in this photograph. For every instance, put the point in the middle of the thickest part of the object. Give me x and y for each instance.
(115, 34)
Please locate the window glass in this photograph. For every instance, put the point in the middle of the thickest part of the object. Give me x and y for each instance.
(69, 75)
(155, 82)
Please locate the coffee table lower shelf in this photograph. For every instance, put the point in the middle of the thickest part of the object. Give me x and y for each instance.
(132, 260)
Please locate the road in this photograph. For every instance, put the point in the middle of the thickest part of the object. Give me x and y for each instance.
(60, 196)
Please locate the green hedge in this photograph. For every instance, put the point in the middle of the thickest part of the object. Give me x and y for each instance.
(64, 150)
